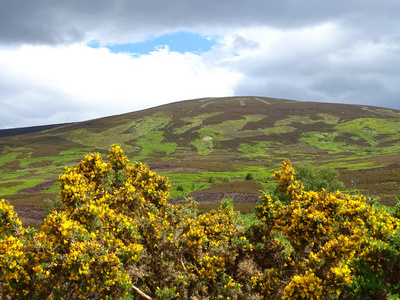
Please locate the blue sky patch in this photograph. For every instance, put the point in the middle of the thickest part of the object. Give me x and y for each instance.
(177, 42)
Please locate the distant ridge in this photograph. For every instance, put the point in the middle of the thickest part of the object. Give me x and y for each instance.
(24, 130)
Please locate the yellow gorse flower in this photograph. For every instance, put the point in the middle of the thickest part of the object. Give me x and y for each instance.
(117, 235)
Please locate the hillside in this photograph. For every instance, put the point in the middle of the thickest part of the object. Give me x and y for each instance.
(207, 146)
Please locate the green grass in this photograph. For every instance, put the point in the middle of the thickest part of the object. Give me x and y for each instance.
(54, 188)
(147, 124)
(278, 130)
(305, 119)
(203, 147)
(231, 129)
(370, 129)
(52, 162)
(256, 150)
(153, 143)
(259, 172)
(8, 157)
(226, 130)
(197, 182)
(18, 185)
(9, 175)
(193, 122)
(76, 151)
(323, 141)
(326, 141)
(248, 219)
(379, 126)
(122, 134)
(189, 182)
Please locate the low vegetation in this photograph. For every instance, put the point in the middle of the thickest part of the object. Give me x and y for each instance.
(217, 137)
(116, 236)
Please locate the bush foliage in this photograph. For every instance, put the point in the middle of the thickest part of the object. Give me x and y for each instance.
(117, 237)
(315, 179)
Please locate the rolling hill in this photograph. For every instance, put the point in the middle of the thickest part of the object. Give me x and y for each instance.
(207, 146)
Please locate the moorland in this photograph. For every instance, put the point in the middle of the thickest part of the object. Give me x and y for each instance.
(209, 147)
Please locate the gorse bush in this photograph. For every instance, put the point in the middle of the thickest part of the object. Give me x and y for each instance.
(117, 237)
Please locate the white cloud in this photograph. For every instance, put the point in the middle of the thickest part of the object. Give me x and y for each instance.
(87, 83)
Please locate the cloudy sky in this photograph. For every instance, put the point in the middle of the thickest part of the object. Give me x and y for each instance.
(73, 60)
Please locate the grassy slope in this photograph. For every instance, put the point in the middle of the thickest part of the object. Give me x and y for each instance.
(249, 135)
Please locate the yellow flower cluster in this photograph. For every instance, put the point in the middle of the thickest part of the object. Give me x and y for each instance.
(117, 237)
(12, 250)
(9, 222)
(211, 267)
(326, 232)
(305, 286)
(287, 182)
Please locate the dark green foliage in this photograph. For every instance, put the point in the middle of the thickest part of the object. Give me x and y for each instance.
(249, 176)
(212, 179)
(315, 179)
(180, 188)
(51, 204)
(226, 179)
(396, 209)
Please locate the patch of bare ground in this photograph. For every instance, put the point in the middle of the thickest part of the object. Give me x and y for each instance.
(29, 207)
(30, 215)
(9, 184)
(10, 166)
(167, 165)
(218, 197)
(245, 194)
(211, 165)
(242, 202)
(351, 139)
(387, 188)
(38, 188)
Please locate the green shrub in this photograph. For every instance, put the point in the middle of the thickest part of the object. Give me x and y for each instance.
(51, 204)
(249, 176)
(226, 179)
(180, 188)
(315, 179)
(212, 179)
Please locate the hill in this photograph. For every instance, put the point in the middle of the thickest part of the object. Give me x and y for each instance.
(207, 146)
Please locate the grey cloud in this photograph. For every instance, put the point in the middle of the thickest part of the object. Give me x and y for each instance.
(241, 42)
(52, 22)
(336, 86)
(295, 91)
(274, 87)
(356, 69)
(352, 89)
(37, 22)
(29, 105)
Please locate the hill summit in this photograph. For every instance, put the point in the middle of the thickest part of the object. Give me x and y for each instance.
(226, 138)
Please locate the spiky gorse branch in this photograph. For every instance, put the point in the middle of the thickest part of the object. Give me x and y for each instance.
(324, 236)
(117, 237)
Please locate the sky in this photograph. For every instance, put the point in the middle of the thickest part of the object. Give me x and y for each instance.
(74, 60)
